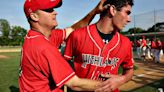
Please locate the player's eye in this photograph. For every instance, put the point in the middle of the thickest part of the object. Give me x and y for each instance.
(48, 10)
(128, 12)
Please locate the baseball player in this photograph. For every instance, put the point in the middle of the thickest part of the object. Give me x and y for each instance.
(99, 49)
(157, 53)
(42, 67)
(148, 48)
(143, 46)
(153, 48)
(138, 44)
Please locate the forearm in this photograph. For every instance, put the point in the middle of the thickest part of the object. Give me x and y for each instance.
(86, 85)
(79, 84)
(127, 75)
(86, 20)
(115, 81)
(82, 23)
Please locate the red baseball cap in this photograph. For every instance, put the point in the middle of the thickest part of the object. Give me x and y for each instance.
(33, 5)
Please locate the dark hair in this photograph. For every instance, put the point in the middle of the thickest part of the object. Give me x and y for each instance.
(119, 3)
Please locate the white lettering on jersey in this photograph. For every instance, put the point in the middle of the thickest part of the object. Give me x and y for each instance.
(99, 61)
(91, 59)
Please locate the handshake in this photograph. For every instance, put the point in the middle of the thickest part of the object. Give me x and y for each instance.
(104, 77)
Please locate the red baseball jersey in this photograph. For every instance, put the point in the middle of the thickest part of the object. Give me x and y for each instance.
(92, 57)
(153, 45)
(143, 42)
(138, 43)
(42, 67)
(159, 44)
(57, 37)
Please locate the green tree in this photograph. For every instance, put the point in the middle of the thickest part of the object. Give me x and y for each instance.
(17, 35)
(5, 31)
(156, 28)
(136, 30)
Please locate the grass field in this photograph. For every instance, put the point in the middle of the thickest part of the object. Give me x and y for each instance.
(9, 68)
(9, 72)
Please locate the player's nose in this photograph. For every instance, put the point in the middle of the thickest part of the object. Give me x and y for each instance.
(55, 12)
(129, 19)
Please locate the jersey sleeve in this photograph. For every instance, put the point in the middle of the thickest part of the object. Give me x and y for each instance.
(57, 37)
(59, 68)
(128, 61)
(68, 53)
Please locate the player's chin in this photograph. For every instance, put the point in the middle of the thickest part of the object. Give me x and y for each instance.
(121, 27)
(55, 24)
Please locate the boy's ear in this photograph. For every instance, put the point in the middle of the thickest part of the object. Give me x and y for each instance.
(112, 10)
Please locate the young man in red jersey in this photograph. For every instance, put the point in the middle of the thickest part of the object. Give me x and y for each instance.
(99, 49)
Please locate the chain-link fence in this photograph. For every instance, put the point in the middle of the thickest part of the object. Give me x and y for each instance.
(153, 19)
(152, 22)
(146, 20)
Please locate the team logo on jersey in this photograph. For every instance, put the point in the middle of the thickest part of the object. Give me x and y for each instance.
(99, 61)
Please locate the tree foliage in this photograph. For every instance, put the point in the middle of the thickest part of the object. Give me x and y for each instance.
(5, 31)
(157, 27)
(5, 27)
(17, 35)
(135, 30)
(11, 36)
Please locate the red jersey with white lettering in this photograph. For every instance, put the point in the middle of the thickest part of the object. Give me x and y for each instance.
(92, 57)
(43, 69)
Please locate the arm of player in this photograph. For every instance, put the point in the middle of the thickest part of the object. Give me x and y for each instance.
(80, 84)
(88, 18)
(141, 46)
(115, 81)
(127, 75)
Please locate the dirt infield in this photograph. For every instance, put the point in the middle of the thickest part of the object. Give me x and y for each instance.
(147, 72)
(10, 50)
(162, 59)
(3, 56)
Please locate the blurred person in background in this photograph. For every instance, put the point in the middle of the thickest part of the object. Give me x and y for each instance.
(158, 49)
